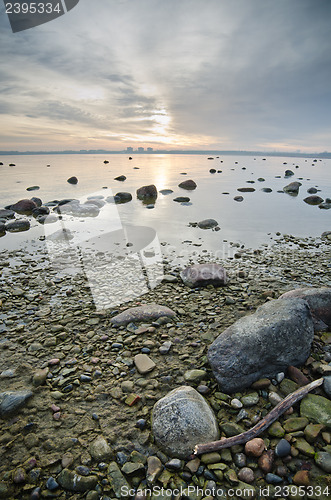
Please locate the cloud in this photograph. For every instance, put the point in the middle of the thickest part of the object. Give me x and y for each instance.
(236, 75)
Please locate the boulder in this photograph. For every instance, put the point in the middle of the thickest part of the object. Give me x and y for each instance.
(122, 197)
(292, 188)
(37, 201)
(120, 178)
(319, 301)
(288, 173)
(277, 335)
(72, 180)
(147, 192)
(2, 228)
(181, 420)
(207, 223)
(313, 200)
(238, 198)
(189, 185)
(312, 190)
(40, 211)
(7, 214)
(147, 312)
(24, 207)
(204, 274)
(17, 226)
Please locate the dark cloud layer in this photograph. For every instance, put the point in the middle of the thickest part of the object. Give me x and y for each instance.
(245, 74)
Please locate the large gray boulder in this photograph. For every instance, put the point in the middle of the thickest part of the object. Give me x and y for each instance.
(292, 188)
(181, 420)
(319, 301)
(263, 344)
(204, 274)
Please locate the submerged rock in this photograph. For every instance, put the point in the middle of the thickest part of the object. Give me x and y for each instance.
(182, 199)
(204, 274)
(142, 313)
(246, 190)
(181, 420)
(263, 344)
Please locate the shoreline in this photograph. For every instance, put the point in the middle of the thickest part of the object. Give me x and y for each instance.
(51, 325)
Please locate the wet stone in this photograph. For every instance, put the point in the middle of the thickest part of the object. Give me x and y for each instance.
(283, 448)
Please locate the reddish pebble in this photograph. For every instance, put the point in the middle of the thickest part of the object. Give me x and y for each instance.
(301, 478)
(53, 362)
(95, 360)
(246, 475)
(266, 461)
(55, 408)
(255, 447)
(57, 415)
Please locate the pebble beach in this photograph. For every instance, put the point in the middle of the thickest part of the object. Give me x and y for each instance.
(84, 428)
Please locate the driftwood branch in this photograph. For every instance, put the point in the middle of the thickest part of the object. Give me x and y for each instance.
(273, 415)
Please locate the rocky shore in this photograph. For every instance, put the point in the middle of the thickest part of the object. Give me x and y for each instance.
(85, 386)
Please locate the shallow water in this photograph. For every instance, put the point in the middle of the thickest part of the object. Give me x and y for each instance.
(251, 222)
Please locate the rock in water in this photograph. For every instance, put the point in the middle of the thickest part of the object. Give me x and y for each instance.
(10, 402)
(313, 200)
(319, 301)
(142, 313)
(24, 207)
(181, 420)
(122, 197)
(6, 214)
(292, 188)
(189, 185)
(203, 275)
(17, 226)
(263, 344)
(207, 223)
(72, 180)
(147, 192)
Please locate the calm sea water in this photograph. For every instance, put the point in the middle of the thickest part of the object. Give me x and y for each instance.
(251, 222)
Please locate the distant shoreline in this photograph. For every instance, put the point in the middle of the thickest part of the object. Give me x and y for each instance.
(324, 155)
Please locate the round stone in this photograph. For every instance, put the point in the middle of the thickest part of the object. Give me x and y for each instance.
(283, 448)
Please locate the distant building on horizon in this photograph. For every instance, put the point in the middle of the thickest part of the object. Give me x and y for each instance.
(129, 150)
(149, 150)
(141, 150)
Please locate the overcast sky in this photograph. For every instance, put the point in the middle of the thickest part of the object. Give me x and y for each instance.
(192, 74)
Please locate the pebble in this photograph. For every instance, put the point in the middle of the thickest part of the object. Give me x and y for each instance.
(273, 478)
(174, 464)
(255, 447)
(52, 484)
(144, 364)
(236, 404)
(246, 475)
(283, 448)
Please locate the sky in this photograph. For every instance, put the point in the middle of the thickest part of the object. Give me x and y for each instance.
(170, 74)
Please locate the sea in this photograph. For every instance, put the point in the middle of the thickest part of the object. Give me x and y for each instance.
(256, 220)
